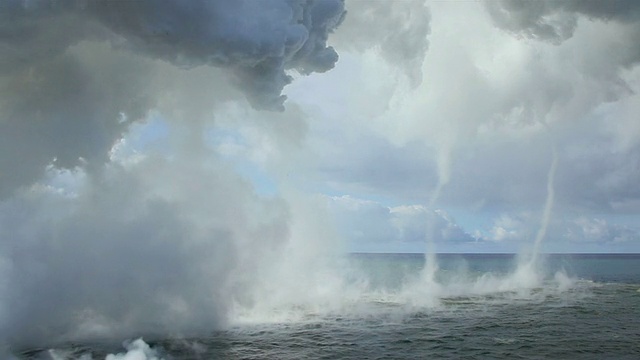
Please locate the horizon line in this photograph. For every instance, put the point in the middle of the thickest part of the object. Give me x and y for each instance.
(491, 253)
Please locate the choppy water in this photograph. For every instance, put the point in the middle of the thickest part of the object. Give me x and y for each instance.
(583, 307)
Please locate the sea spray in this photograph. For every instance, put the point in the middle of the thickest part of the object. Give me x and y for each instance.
(136, 350)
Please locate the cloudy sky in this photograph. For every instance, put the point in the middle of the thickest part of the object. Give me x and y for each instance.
(454, 110)
(460, 120)
(161, 146)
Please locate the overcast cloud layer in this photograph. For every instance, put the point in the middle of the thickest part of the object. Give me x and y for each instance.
(184, 158)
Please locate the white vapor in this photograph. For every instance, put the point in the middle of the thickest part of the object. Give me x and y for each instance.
(99, 244)
(156, 248)
(136, 350)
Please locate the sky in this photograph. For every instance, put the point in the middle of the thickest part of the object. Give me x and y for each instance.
(470, 100)
(160, 146)
(478, 101)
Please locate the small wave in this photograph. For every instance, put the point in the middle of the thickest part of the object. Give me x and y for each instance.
(504, 341)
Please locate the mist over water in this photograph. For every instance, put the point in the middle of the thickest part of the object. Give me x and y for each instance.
(478, 296)
(528, 273)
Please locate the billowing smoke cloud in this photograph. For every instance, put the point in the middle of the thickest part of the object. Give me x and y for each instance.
(65, 102)
(504, 82)
(97, 243)
(259, 40)
(368, 224)
(66, 112)
(157, 247)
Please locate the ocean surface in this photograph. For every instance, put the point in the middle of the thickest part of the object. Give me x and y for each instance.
(489, 306)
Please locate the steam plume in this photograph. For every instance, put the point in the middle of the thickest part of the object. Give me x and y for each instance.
(156, 244)
(61, 102)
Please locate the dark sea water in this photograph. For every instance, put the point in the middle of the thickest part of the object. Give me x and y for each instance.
(474, 307)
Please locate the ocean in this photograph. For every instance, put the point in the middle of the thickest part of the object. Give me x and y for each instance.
(476, 306)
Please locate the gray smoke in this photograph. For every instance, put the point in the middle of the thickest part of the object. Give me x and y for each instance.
(161, 244)
(257, 39)
(65, 101)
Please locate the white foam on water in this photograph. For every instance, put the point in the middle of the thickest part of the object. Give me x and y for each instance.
(348, 298)
(136, 350)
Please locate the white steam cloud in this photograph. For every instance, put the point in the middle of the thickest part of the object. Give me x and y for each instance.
(152, 248)
(94, 243)
(398, 31)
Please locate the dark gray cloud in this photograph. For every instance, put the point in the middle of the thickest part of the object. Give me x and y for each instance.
(537, 19)
(504, 175)
(556, 21)
(140, 244)
(258, 40)
(75, 74)
(369, 165)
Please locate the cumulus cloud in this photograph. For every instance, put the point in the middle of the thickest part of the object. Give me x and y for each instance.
(365, 224)
(600, 231)
(112, 234)
(566, 233)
